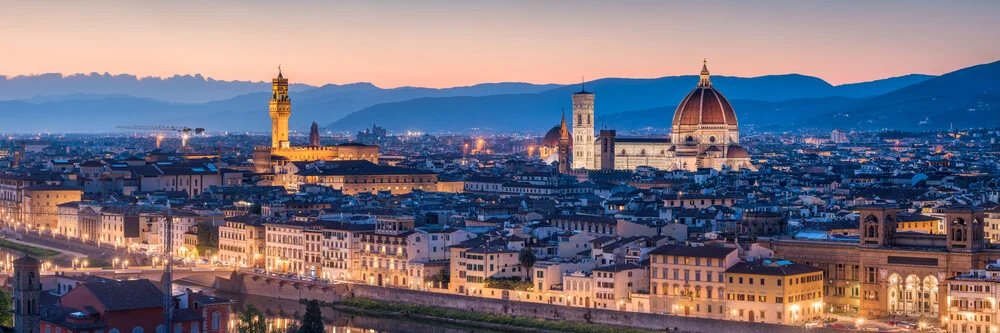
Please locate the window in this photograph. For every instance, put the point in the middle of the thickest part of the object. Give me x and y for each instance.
(136, 329)
(216, 320)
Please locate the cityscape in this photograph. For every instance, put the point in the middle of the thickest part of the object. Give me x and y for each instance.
(719, 196)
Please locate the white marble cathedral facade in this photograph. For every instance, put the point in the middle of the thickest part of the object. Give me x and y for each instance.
(704, 134)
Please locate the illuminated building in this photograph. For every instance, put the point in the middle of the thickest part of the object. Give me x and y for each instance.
(889, 272)
(281, 152)
(774, 291)
(704, 134)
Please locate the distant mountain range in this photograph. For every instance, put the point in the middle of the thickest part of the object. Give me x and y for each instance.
(966, 98)
(622, 97)
(99, 102)
(177, 88)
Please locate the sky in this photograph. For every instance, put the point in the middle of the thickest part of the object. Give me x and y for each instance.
(453, 43)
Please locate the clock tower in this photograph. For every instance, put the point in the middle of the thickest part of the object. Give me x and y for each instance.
(583, 130)
(280, 109)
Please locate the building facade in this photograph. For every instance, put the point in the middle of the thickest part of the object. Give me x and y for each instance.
(690, 281)
(704, 134)
(889, 273)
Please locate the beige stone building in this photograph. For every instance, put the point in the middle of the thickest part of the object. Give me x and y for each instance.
(284, 246)
(615, 285)
(387, 253)
(890, 273)
(475, 262)
(41, 204)
(973, 301)
(242, 242)
(774, 291)
(690, 281)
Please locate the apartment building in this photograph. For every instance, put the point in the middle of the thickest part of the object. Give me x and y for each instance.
(690, 281)
(341, 241)
(972, 301)
(284, 247)
(241, 241)
(774, 291)
(387, 251)
(614, 286)
(476, 261)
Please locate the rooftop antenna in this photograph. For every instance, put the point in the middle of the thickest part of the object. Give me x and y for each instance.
(583, 83)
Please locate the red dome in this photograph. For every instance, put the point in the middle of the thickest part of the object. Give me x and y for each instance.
(551, 138)
(704, 105)
(737, 152)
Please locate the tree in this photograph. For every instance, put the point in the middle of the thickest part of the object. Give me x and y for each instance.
(208, 235)
(251, 321)
(255, 209)
(6, 318)
(312, 321)
(527, 260)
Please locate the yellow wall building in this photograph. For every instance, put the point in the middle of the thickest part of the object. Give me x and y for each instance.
(774, 291)
(41, 203)
(689, 281)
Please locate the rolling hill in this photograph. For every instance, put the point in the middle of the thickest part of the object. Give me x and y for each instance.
(537, 112)
(966, 98)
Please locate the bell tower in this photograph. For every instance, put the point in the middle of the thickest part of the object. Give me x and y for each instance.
(964, 227)
(564, 146)
(583, 130)
(27, 293)
(878, 225)
(280, 109)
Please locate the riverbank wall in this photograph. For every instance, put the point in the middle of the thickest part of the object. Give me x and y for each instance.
(278, 288)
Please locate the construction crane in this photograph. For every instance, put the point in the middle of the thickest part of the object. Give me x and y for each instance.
(184, 130)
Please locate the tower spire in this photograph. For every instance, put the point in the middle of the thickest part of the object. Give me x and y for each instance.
(563, 131)
(583, 84)
(704, 81)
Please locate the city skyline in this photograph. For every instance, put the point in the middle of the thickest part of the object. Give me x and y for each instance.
(445, 44)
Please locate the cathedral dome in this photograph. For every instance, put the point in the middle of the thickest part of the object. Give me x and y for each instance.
(737, 152)
(551, 138)
(704, 106)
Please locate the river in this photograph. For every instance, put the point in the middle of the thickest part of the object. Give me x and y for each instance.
(281, 313)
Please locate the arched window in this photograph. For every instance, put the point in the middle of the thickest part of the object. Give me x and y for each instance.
(216, 320)
(137, 329)
(114, 330)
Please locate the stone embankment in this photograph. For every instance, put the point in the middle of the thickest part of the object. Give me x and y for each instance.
(268, 286)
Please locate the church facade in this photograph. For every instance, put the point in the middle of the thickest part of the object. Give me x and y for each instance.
(704, 134)
(281, 152)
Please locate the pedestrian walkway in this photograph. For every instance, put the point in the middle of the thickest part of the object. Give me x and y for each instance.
(63, 251)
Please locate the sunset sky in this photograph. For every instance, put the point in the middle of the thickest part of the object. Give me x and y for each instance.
(452, 43)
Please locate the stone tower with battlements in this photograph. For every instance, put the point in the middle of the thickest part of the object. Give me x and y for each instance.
(280, 109)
